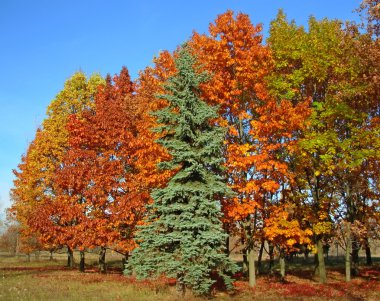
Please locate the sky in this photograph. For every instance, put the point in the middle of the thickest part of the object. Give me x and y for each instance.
(42, 43)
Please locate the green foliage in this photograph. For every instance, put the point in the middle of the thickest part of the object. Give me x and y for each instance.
(183, 237)
(332, 157)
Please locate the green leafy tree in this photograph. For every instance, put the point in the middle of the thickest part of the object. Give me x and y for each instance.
(332, 155)
(183, 237)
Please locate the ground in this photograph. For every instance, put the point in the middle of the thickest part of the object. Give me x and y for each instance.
(41, 279)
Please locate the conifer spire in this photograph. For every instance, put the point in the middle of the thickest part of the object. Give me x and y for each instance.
(183, 237)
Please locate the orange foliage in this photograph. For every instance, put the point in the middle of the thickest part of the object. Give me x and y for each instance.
(110, 167)
(260, 130)
(284, 230)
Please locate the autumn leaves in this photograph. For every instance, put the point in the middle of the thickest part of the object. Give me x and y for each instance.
(301, 121)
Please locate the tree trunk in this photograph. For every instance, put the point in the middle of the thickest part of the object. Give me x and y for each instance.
(259, 260)
(271, 258)
(251, 267)
(81, 263)
(180, 287)
(282, 265)
(28, 257)
(51, 256)
(17, 248)
(102, 260)
(321, 268)
(348, 251)
(70, 258)
(368, 255)
(124, 260)
(245, 260)
(326, 249)
(305, 252)
(37, 255)
(355, 257)
(228, 244)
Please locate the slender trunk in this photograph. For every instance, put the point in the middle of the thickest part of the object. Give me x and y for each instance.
(251, 268)
(102, 260)
(271, 258)
(124, 260)
(51, 256)
(17, 248)
(348, 251)
(321, 268)
(355, 257)
(180, 286)
(305, 253)
(326, 252)
(259, 260)
(368, 252)
(81, 263)
(28, 257)
(245, 260)
(228, 244)
(70, 258)
(282, 264)
(37, 255)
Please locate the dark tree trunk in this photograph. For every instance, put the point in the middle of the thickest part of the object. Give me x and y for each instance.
(228, 244)
(271, 258)
(70, 258)
(102, 260)
(81, 262)
(51, 255)
(305, 252)
(260, 258)
(355, 257)
(124, 260)
(368, 255)
(326, 249)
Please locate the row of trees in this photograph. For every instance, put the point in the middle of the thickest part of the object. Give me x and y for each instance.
(299, 117)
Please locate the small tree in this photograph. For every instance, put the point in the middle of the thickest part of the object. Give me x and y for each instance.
(183, 237)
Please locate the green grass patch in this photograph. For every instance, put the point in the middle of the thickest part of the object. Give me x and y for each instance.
(51, 280)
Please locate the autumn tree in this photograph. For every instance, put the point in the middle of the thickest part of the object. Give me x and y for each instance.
(358, 169)
(34, 188)
(233, 53)
(109, 169)
(321, 65)
(260, 128)
(94, 168)
(183, 237)
(285, 231)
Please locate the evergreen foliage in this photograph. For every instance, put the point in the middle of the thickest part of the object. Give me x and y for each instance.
(183, 237)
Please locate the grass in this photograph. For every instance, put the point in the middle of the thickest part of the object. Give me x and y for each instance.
(50, 280)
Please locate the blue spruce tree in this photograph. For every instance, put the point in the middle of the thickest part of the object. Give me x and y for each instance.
(183, 237)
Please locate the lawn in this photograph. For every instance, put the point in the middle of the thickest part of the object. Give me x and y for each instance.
(41, 279)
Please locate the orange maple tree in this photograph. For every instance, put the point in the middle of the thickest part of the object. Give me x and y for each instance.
(260, 129)
(34, 190)
(110, 168)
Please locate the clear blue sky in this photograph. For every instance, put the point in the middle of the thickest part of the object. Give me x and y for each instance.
(42, 43)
